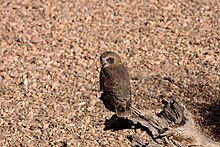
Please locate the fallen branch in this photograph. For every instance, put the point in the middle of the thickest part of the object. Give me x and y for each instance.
(173, 126)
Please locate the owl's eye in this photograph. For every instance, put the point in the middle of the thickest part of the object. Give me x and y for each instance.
(110, 60)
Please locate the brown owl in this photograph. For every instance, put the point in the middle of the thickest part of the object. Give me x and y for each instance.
(115, 84)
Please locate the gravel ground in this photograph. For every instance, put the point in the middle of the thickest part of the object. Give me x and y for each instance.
(49, 69)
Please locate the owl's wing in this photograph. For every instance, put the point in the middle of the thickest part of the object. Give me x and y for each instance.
(114, 81)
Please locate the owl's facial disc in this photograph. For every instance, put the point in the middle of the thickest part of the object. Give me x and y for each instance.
(107, 61)
(110, 60)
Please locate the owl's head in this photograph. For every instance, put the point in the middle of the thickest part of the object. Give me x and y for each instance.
(109, 58)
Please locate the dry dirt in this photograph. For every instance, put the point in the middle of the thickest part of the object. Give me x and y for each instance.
(49, 56)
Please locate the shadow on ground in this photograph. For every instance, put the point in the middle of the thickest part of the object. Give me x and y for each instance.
(116, 123)
(210, 114)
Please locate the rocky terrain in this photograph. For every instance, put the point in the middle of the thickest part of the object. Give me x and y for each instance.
(49, 56)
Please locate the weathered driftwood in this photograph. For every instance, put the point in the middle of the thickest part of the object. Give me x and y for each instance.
(173, 127)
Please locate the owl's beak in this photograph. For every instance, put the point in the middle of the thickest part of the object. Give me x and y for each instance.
(104, 62)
